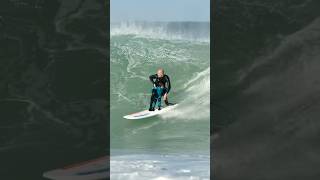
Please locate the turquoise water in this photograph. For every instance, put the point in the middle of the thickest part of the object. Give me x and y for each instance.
(136, 52)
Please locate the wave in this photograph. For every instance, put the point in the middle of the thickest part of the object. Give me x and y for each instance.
(160, 167)
(190, 31)
(133, 59)
(196, 102)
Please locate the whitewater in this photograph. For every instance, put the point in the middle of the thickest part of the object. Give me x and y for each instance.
(176, 144)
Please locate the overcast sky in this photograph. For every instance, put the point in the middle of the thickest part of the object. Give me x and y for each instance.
(160, 10)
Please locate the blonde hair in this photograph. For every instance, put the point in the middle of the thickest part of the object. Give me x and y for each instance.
(160, 69)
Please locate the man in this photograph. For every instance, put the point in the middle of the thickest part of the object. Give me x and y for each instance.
(159, 80)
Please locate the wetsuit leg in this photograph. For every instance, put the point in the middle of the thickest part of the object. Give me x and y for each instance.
(159, 103)
(153, 100)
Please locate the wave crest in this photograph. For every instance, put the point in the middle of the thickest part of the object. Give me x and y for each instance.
(190, 31)
(196, 104)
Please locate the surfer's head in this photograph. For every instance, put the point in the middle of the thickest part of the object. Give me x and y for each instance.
(160, 72)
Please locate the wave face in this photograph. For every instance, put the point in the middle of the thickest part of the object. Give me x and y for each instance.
(191, 31)
(135, 56)
(137, 50)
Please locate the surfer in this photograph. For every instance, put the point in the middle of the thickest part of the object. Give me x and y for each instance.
(161, 87)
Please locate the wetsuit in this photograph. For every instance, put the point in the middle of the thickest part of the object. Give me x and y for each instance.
(156, 81)
(157, 93)
(165, 80)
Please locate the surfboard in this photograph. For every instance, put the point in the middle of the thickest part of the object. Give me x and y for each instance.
(147, 113)
(88, 170)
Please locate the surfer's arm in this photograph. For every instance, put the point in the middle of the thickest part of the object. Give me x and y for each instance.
(168, 84)
(152, 78)
(165, 96)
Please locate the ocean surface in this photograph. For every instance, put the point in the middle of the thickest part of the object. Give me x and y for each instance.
(176, 144)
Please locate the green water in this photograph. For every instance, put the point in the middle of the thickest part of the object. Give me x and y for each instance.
(186, 129)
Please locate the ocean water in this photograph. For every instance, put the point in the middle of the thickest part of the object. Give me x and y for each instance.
(176, 144)
(160, 167)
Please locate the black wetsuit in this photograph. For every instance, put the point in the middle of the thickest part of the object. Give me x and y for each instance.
(165, 80)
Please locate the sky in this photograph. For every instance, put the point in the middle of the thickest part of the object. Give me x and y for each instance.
(160, 10)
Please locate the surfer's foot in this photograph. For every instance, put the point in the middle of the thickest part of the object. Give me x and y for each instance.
(159, 108)
(151, 109)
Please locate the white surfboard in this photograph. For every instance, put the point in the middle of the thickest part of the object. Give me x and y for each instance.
(147, 113)
(89, 170)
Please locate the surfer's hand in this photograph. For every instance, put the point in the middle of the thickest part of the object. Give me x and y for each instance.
(165, 97)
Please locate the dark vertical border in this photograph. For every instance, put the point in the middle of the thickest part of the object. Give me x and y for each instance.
(268, 143)
(54, 85)
(212, 45)
(107, 12)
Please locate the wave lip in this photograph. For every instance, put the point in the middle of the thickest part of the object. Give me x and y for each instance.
(196, 105)
(189, 31)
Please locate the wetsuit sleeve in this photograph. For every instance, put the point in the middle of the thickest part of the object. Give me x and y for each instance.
(165, 91)
(152, 78)
(168, 84)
